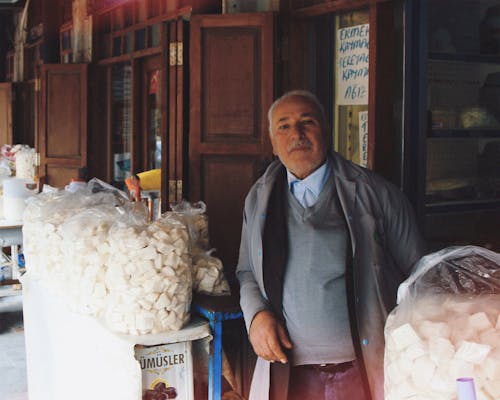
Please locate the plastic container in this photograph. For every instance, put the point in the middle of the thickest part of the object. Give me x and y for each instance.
(75, 185)
(15, 193)
(465, 389)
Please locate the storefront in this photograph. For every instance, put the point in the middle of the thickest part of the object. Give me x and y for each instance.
(411, 90)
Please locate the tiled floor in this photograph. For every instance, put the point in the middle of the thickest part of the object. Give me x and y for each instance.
(13, 384)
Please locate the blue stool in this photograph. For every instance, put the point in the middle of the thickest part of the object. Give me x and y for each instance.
(216, 309)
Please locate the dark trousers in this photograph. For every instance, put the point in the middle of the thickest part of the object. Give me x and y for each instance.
(308, 382)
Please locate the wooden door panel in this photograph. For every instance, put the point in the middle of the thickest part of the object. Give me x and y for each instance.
(231, 78)
(62, 136)
(224, 185)
(5, 113)
(60, 176)
(231, 114)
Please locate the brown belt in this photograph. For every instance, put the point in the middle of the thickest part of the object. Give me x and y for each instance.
(330, 368)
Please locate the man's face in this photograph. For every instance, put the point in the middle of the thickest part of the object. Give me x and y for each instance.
(297, 136)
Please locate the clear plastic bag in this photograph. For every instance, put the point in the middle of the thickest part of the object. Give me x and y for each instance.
(195, 217)
(208, 275)
(446, 326)
(208, 271)
(96, 250)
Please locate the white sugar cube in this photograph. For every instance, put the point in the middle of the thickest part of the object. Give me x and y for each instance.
(442, 385)
(162, 302)
(145, 321)
(492, 388)
(474, 353)
(394, 374)
(459, 367)
(490, 337)
(405, 367)
(422, 372)
(440, 350)
(491, 369)
(428, 329)
(406, 390)
(404, 336)
(482, 395)
(479, 321)
(461, 330)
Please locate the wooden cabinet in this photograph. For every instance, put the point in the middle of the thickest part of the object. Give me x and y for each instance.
(231, 89)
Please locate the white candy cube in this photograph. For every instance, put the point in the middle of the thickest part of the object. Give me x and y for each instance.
(491, 369)
(404, 336)
(422, 372)
(492, 388)
(441, 350)
(480, 321)
(474, 353)
(428, 329)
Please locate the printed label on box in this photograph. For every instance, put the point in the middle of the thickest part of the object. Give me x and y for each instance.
(167, 371)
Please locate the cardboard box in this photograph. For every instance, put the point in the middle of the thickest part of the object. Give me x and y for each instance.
(167, 371)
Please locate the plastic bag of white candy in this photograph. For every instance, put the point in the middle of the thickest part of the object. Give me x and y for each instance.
(195, 217)
(208, 275)
(208, 271)
(446, 326)
(95, 249)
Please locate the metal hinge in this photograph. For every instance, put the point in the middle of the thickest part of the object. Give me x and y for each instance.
(175, 53)
(37, 84)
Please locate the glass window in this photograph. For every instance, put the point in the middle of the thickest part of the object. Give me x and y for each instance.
(153, 119)
(121, 119)
(117, 46)
(140, 39)
(351, 86)
(154, 35)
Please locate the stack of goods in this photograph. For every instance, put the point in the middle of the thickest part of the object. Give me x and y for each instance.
(446, 326)
(208, 275)
(95, 249)
(19, 159)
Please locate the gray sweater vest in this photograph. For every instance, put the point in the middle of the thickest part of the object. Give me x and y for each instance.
(314, 292)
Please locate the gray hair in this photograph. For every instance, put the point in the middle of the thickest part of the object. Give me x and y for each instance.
(297, 93)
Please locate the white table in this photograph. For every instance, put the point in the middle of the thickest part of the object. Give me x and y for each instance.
(11, 234)
(75, 356)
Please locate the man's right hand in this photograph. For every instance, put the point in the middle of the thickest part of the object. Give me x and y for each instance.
(268, 337)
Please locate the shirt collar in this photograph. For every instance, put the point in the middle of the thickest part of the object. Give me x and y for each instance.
(314, 182)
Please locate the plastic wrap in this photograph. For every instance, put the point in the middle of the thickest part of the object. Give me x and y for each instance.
(208, 275)
(446, 326)
(195, 217)
(95, 249)
(208, 271)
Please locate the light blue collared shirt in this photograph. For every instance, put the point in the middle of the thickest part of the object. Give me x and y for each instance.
(307, 190)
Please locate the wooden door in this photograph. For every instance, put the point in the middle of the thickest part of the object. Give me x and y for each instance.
(62, 136)
(175, 99)
(231, 77)
(5, 113)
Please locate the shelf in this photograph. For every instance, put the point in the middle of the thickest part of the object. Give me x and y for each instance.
(469, 58)
(464, 133)
(462, 206)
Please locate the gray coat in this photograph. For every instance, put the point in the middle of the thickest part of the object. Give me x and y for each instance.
(385, 245)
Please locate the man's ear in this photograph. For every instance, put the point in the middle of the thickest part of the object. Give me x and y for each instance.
(328, 135)
(272, 143)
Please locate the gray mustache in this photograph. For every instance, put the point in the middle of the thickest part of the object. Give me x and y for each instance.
(299, 144)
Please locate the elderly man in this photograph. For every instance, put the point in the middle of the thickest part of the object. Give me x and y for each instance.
(324, 247)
